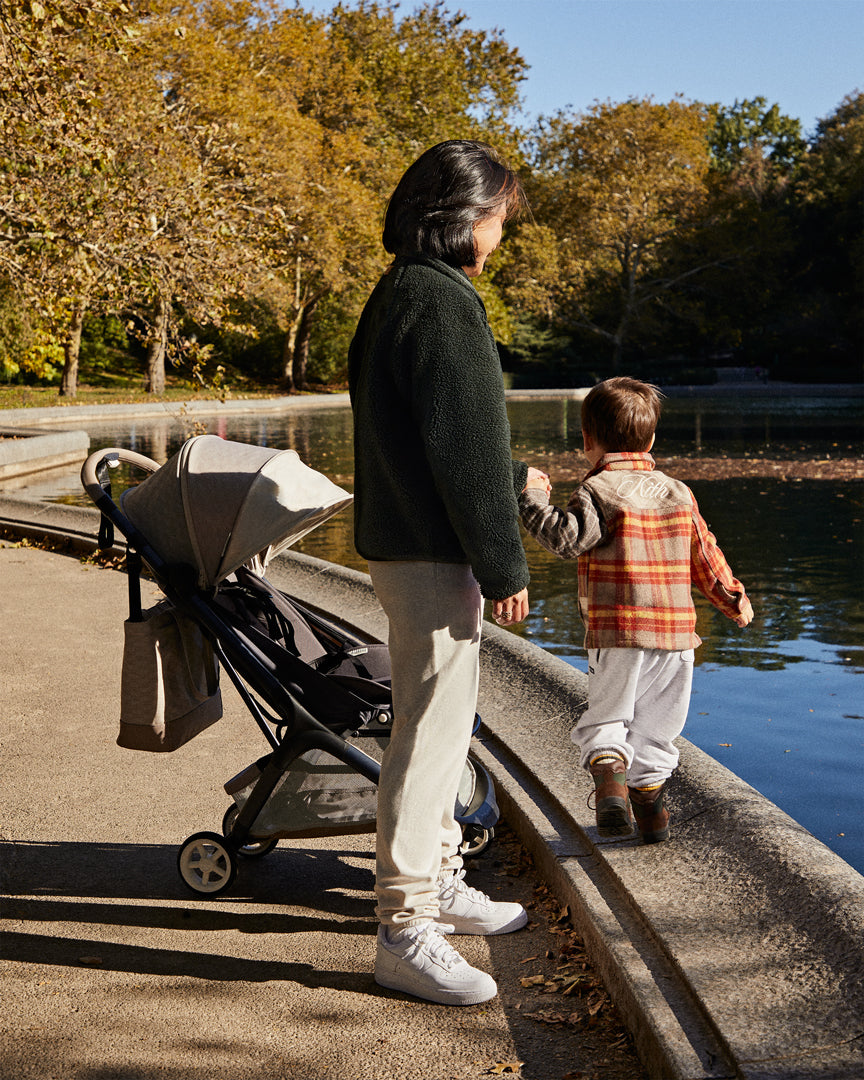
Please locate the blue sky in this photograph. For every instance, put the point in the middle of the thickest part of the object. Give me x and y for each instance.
(805, 55)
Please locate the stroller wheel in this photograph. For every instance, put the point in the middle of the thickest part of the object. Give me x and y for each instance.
(206, 863)
(254, 850)
(475, 841)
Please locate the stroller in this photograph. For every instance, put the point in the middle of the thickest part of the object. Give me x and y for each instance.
(206, 524)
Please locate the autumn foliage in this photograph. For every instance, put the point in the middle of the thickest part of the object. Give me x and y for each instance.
(215, 175)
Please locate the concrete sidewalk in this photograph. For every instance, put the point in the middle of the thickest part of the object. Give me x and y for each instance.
(734, 950)
(113, 970)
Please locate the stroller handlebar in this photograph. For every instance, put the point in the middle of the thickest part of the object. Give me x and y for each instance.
(89, 470)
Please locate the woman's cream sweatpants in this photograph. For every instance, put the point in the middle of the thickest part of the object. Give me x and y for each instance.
(435, 613)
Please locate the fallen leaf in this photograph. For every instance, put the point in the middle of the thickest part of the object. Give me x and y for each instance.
(501, 1067)
(533, 980)
(543, 1016)
(596, 1003)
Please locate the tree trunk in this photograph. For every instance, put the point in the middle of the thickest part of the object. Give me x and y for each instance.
(295, 352)
(301, 345)
(72, 350)
(287, 378)
(157, 347)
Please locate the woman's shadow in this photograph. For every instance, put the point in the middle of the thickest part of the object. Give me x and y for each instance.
(292, 891)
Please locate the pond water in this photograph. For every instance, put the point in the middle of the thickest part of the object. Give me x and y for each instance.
(781, 703)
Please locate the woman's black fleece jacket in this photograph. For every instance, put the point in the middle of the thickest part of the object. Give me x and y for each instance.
(433, 476)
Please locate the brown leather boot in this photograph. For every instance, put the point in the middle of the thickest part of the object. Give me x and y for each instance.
(652, 817)
(610, 797)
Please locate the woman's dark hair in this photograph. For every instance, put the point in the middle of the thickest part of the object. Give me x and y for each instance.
(442, 195)
(621, 414)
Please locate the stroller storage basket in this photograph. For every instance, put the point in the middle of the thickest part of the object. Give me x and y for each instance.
(319, 794)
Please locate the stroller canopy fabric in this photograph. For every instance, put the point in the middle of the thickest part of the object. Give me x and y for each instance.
(217, 505)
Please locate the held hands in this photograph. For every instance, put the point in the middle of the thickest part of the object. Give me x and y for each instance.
(515, 608)
(512, 610)
(537, 480)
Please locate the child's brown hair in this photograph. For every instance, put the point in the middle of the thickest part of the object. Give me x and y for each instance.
(621, 414)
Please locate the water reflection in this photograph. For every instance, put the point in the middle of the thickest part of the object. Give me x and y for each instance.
(795, 426)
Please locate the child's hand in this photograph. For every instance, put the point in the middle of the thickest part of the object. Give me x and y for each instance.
(746, 615)
(538, 480)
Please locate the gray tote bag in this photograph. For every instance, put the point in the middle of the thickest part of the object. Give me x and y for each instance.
(169, 686)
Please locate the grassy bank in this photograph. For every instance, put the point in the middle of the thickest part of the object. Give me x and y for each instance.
(177, 390)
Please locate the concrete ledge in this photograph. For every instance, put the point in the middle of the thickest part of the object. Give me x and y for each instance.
(79, 414)
(736, 949)
(24, 450)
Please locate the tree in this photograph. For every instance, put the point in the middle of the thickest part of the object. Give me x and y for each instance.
(325, 113)
(109, 195)
(53, 144)
(614, 188)
(190, 153)
(826, 271)
(756, 145)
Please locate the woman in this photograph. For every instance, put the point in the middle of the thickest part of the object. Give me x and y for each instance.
(436, 519)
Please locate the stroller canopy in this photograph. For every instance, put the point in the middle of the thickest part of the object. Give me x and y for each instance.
(218, 504)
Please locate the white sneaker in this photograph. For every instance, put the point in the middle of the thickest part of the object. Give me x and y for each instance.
(417, 960)
(470, 911)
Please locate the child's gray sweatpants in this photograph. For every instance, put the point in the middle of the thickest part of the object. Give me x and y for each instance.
(637, 705)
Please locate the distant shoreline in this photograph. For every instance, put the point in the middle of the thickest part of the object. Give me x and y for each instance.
(569, 467)
(565, 467)
(720, 389)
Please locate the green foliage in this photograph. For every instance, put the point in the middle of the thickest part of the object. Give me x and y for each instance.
(246, 342)
(538, 356)
(752, 127)
(335, 323)
(102, 338)
(28, 352)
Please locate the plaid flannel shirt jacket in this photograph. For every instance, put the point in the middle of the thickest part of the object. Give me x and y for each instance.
(641, 544)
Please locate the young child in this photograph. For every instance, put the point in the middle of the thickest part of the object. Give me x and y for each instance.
(641, 543)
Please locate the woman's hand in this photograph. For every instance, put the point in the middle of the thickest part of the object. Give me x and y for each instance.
(512, 610)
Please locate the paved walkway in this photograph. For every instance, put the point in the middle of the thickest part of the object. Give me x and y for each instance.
(113, 970)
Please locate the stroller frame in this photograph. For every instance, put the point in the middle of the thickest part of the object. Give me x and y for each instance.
(207, 861)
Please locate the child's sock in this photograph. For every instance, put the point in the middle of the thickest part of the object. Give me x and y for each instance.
(605, 757)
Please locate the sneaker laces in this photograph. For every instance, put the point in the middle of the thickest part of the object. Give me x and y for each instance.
(455, 885)
(430, 940)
